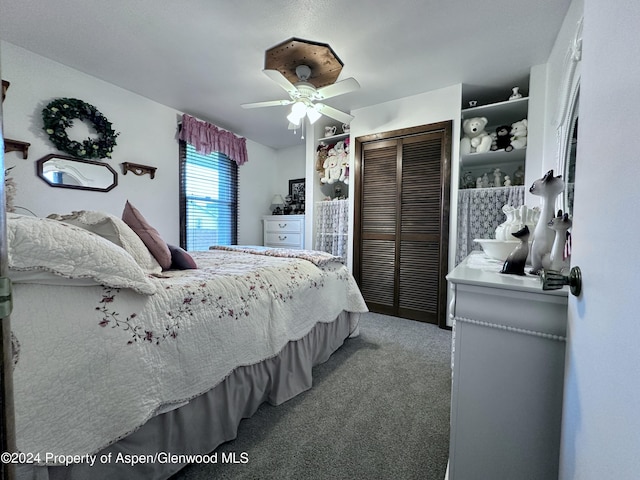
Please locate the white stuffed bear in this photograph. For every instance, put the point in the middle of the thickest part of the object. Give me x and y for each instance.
(519, 134)
(475, 139)
(333, 171)
(343, 160)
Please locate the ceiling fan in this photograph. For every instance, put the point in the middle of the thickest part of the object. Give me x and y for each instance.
(305, 97)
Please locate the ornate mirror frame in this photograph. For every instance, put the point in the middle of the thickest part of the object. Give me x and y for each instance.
(568, 110)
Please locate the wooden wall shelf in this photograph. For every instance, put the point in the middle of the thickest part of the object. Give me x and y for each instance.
(138, 169)
(17, 146)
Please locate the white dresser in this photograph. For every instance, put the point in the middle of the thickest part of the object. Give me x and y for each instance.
(508, 373)
(284, 231)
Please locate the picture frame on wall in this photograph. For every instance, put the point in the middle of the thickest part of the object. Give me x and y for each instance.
(296, 190)
(297, 193)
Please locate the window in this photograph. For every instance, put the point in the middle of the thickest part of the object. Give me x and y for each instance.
(208, 199)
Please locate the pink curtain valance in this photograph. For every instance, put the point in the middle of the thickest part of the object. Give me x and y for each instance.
(207, 138)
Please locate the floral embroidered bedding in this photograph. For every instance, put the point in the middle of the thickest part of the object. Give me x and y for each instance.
(103, 346)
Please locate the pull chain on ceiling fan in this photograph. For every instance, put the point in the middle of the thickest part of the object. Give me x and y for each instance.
(304, 96)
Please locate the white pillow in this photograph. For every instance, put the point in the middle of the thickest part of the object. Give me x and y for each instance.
(115, 230)
(42, 244)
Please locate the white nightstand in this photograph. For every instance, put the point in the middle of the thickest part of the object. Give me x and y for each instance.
(284, 231)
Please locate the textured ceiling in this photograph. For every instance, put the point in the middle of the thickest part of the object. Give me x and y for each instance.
(204, 57)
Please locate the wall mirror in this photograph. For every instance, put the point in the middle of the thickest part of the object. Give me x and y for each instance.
(567, 120)
(70, 172)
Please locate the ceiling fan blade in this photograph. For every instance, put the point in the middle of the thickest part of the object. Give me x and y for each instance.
(281, 80)
(334, 113)
(271, 103)
(345, 86)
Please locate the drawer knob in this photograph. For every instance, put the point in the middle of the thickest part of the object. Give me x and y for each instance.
(280, 237)
(282, 225)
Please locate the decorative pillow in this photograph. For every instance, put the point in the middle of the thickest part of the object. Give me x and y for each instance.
(42, 244)
(180, 259)
(148, 234)
(115, 230)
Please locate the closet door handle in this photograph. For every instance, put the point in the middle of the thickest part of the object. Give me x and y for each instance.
(554, 280)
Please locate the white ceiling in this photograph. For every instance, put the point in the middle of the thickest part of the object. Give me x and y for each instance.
(204, 57)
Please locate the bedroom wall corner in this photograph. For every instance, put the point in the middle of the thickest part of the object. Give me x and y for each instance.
(255, 183)
(267, 173)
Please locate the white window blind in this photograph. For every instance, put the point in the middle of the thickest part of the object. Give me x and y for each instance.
(208, 199)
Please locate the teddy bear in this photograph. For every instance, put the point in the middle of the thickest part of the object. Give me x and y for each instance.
(333, 171)
(502, 139)
(475, 139)
(342, 152)
(519, 134)
(321, 155)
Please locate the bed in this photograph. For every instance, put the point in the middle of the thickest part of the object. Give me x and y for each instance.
(118, 361)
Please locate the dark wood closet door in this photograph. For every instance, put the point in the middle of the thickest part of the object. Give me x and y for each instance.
(379, 226)
(402, 212)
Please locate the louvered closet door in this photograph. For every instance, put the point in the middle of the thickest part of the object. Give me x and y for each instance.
(403, 226)
(420, 228)
(378, 222)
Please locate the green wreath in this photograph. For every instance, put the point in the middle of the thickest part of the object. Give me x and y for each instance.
(58, 115)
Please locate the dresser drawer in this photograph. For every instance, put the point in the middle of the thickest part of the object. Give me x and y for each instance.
(283, 239)
(284, 231)
(293, 226)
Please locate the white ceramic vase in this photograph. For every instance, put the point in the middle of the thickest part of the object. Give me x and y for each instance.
(517, 217)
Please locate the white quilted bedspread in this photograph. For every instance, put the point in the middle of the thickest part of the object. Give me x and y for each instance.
(95, 363)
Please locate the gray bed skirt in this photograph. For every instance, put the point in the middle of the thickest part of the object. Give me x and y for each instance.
(211, 419)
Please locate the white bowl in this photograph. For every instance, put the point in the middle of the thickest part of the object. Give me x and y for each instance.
(498, 249)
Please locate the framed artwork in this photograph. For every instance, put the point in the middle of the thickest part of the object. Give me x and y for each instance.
(296, 190)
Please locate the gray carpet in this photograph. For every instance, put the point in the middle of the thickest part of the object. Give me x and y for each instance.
(379, 409)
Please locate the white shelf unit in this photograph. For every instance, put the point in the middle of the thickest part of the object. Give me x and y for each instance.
(497, 114)
(333, 138)
(329, 190)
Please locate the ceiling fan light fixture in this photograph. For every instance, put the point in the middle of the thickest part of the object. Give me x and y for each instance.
(294, 119)
(308, 72)
(299, 109)
(313, 115)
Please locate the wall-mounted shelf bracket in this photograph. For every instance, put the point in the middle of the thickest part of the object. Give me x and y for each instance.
(138, 169)
(17, 146)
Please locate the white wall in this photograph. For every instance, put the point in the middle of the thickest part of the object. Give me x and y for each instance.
(147, 136)
(257, 180)
(290, 165)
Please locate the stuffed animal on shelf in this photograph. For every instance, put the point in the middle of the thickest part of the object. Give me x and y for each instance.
(321, 155)
(333, 171)
(519, 134)
(344, 163)
(475, 139)
(502, 139)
